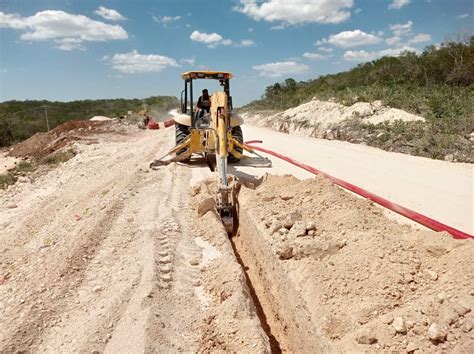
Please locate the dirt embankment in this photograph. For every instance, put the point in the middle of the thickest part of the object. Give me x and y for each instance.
(323, 119)
(42, 144)
(333, 274)
(371, 124)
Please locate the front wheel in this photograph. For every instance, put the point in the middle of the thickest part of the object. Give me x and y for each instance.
(239, 136)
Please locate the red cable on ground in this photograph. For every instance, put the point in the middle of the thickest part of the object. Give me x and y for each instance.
(413, 215)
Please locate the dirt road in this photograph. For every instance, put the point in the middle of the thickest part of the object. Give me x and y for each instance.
(102, 254)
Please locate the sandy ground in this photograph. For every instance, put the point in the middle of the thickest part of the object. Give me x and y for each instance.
(333, 274)
(102, 254)
(438, 189)
(7, 162)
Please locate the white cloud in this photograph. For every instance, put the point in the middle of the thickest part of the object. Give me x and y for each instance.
(69, 44)
(362, 55)
(278, 69)
(68, 31)
(463, 16)
(166, 19)
(109, 14)
(278, 27)
(207, 38)
(357, 11)
(398, 4)
(420, 38)
(134, 62)
(246, 43)
(210, 39)
(358, 55)
(189, 61)
(300, 11)
(326, 49)
(315, 56)
(393, 40)
(250, 29)
(348, 39)
(226, 42)
(401, 28)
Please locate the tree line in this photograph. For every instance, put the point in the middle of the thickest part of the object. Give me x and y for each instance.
(21, 119)
(437, 83)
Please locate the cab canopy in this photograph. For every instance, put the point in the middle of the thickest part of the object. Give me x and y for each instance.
(216, 75)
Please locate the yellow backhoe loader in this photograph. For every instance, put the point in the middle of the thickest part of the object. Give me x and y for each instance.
(216, 136)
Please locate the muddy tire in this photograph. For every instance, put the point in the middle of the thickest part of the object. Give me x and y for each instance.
(181, 133)
(239, 136)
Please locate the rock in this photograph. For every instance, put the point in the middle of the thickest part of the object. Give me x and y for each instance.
(298, 229)
(311, 226)
(194, 261)
(365, 336)
(433, 275)
(283, 231)
(376, 105)
(268, 198)
(98, 289)
(471, 136)
(23, 179)
(286, 197)
(447, 315)
(312, 233)
(285, 252)
(460, 309)
(275, 227)
(436, 334)
(467, 327)
(441, 297)
(449, 158)
(330, 135)
(288, 223)
(411, 347)
(205, 204)
(12, 206)
(387, 319)
(399, 325)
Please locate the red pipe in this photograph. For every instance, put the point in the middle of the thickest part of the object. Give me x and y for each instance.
(413, 215)
(168, 123)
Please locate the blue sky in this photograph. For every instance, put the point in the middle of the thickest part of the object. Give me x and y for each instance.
(66, 50)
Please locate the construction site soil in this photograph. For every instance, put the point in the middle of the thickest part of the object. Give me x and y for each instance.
(103, 255)
(333, 274)
(42, 144)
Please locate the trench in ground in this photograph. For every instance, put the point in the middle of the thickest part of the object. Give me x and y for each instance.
(280, 309)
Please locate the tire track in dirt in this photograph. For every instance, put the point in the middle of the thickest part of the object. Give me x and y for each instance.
(57, 280)
(132, 273)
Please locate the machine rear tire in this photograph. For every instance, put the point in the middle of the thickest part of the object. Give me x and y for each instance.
(239, 136)
(181, 133)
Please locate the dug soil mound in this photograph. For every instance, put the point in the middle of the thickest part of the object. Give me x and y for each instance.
(316, 117)
(332, 273)
(42, 144)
